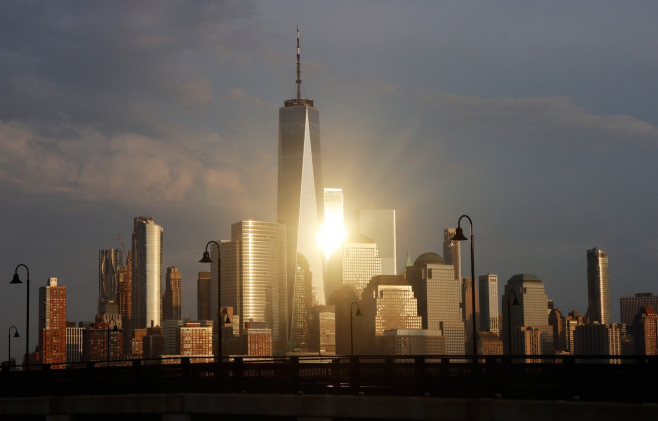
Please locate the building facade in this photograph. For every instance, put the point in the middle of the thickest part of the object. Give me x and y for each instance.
(171, 299)
(203, 296)
(356, 262)
(109, 261)
(379, 224)
(146, 273)
(452, 251)
(254, 278)
(300, 201)
(598, 294)
(489, 310)
(630, 306)
(52, 323)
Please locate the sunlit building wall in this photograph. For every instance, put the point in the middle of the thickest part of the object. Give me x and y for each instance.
(52, 322)
(354, 264)
(147, 272)
(254, 280)
(598, 294)
(74, 344)
(489, 310)
(380, 226)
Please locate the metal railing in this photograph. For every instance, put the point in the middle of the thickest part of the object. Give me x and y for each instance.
(629, 379)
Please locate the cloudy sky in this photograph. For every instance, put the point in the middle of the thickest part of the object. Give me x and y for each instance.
(536, 119)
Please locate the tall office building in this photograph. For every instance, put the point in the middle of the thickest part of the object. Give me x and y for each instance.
(125, 293)
(439, 299)
(489, 303)
(354, 264)
(301, 304)
(109, 261)
(645, 331)
(598, 295)
(598, 339)
(171, 298)
(73, 342)
(203, 296)
(452, 254)
(146, 273)
(300, 201)
(531, 311)
(630, 306)
(52, 322)
(380, 226)
(194, 339)
(254, 277)
(333, 228)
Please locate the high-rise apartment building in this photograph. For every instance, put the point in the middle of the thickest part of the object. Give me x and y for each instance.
(146, 273)
(109, 261)
(195, 339)
(531, 311)
(598, 295)
(171, 298)
(300, 201)
(125, 295)
(380, 226)
(254, 279)
(439, 299)
(489, 310)
(645, 331)
(203, 296)
(452, 254)
(630, 306)
(354, 264)
(52, 322)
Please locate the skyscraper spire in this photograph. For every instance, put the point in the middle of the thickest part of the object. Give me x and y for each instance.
(299, 69)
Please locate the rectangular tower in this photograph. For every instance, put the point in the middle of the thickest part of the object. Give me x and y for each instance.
(203, 296)
(146, 273)
(379, 225)
(171, 298)
(452, 251)
(489, 303)
(598, 295)
(52, 322)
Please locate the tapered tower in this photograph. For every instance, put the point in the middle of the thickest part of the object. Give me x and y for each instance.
(300, 190)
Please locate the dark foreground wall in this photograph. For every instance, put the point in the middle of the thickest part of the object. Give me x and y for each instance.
(199, 406)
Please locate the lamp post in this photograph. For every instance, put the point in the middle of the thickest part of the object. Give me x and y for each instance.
(115, 329)
(206, 259)
(358, 313)
(17, 280)
(459, 236)
(16, 335)
(509, 319)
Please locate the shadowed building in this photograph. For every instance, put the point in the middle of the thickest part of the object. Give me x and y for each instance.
(171, 298)
(645, 327)
(379, 224)
(630, 306)
(532, 312)
(203, 296)
(300, 201)
(598, 295)
(109, 261)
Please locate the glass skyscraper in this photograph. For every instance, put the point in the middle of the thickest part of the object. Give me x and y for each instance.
(147, 273)
(300, 200)
(109, 261)
(254, 278)
(598, 295)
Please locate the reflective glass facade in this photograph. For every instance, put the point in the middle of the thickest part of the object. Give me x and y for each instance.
(108, 277)
(300, 201)
(598, 295)
(147, 272)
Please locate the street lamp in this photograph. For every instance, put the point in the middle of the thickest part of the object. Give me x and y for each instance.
(16, 335)
(509, 319)
(459, 236)
(206, 259)
(358, 313)
(17, 280)
(115, 329)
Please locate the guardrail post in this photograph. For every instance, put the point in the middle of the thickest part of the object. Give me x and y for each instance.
(355, 374)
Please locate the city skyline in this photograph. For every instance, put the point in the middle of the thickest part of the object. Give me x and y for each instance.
(432, 147)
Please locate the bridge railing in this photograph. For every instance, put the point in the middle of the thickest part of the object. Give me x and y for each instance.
(604, 378)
